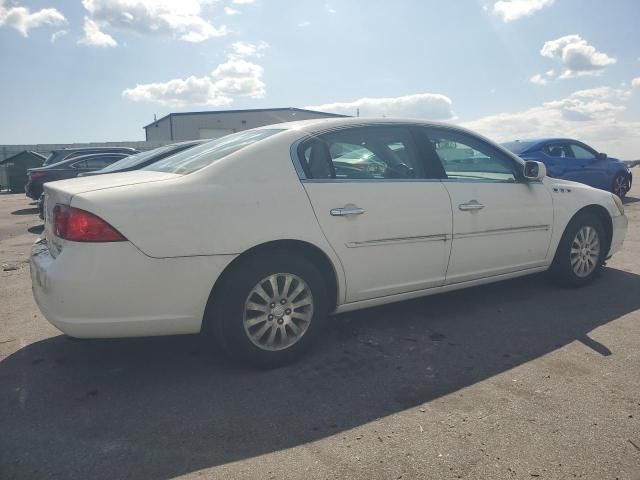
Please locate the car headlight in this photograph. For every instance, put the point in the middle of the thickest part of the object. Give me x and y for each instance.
(618, 202)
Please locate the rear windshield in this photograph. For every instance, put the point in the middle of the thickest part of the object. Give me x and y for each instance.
(132, 160)
(518, 147)
(198, 157)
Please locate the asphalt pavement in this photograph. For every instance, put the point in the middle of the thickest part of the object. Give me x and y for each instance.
(514, 380)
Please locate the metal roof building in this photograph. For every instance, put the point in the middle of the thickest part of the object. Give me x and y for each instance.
(177, 127)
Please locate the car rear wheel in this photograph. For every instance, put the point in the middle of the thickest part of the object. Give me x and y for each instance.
(620, 185)
(270, 310)
(581, 251)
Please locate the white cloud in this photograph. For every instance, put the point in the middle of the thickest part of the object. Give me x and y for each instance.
(576, 56)
(511, 10)
(538, 79)
(421, 105)
(237, 77)
(181, 19)
(304, 24)
(94, 37)
(231, 11)
(246, 49)
(244, 2)
(592, 116)
(23, 20)
(635, 82)
(178, 92)
(329, 8)
(56, 35)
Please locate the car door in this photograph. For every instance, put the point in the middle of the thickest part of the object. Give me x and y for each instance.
(556, 158)
(570, 161)
(389, 225)
(588, 168)
(501, 222)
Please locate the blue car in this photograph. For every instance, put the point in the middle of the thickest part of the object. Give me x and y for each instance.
(573, 160)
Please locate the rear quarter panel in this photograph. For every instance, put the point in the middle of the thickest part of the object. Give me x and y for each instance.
(249, 198)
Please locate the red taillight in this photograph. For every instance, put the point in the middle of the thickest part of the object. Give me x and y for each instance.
(81, 226)
(37, 174)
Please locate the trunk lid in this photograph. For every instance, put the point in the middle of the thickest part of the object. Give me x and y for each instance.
(62, 191)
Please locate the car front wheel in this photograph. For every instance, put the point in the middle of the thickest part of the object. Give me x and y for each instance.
(620, 185)
(581, 251)
(269, 310)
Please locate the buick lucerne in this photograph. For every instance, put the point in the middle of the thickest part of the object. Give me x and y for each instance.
(255, 238)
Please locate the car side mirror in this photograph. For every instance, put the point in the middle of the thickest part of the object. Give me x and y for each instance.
(601, 156)
(534, 170)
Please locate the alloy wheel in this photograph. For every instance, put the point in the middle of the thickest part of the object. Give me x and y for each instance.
(620, 186)
(585, 251)
(278, 311)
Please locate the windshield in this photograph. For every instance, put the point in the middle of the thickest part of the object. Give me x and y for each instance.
(132, 160)
(518, 147)
(195, 158)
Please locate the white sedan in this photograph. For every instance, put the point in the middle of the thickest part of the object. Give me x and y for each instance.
(254, 238)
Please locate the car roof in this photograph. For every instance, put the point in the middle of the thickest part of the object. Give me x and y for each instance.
(187, 142)
(96, 155)
(92, 149)
(319, 125)
(536, 143)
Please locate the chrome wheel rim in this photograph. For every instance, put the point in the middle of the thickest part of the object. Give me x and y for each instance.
(585, 251)
(620, 186)
(278, 311)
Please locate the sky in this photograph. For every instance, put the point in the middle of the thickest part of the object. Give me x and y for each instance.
(99, 70)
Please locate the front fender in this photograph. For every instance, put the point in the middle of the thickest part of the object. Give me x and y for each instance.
(571, 197)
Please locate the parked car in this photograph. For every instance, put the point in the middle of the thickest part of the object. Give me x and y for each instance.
(56, 156)
(142, 159)
(573, 160)
(254, 238)
(68, 168)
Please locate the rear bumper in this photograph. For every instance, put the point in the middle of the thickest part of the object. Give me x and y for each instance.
(113, 290)
(619, 232)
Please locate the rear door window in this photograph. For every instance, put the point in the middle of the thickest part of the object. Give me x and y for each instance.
(79, 164)
(101, 162)
(371, 153)
(558, 150)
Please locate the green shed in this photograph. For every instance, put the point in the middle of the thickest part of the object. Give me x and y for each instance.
(13, 170)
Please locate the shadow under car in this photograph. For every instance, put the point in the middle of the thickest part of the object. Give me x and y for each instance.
(161, 407)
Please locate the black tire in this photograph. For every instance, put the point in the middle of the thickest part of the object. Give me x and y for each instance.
(41, 207)
(225, 311)
(620, 180)
(562, 271)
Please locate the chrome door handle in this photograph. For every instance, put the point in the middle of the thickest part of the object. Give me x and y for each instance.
(472, 205)
(340, 212)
